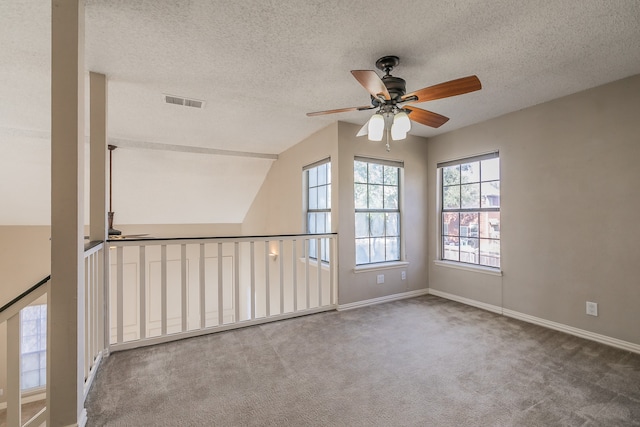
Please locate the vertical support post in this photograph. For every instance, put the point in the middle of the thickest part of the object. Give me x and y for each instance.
(98, 156)
(236, 281)
(163, 290)
(319, 266)
(295, 275)
(65, 333)
(120, 295)
(14, 403)
(203, 314)
(183, 282)
(220, 287)
(281, 252)
(143, 292)
(253, 280)
(266, 278)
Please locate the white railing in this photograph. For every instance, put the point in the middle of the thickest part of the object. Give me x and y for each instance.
(93, 339)
(94, 312)
(166, 289)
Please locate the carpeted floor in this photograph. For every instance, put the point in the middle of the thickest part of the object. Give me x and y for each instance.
(424, 361)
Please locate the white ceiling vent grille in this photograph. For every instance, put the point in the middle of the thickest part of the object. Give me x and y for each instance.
(186, 102)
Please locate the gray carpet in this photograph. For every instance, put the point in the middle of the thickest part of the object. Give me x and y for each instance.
(424, 361)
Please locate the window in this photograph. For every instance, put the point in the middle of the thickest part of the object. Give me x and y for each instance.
(377, 210)
(470, 216)
(33, 334)
(318, 186)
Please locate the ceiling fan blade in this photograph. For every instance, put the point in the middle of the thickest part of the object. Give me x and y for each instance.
(425, 117)
(371, 82)
(341, 110)
(447, 89)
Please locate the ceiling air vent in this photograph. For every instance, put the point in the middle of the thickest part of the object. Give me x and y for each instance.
(186, 102)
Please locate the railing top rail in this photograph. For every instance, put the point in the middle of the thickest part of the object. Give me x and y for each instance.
(25, 293)
(273, 237)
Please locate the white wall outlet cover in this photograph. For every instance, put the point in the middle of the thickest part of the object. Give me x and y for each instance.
(380, 279)
(592, 308)
(404, 275)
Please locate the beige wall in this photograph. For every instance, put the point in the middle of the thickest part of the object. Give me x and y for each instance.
(278, 207)
(362, 285)
(25, 259)
(570, 234)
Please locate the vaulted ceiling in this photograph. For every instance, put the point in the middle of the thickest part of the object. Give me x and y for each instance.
(260, 65)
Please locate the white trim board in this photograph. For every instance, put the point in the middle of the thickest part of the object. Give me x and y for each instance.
(27, 399)
(380, 300)
(581, 333)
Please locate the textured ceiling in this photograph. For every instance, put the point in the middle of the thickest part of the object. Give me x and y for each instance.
(261, 65)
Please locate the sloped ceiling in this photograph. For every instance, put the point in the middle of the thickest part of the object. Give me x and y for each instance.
(261, 65)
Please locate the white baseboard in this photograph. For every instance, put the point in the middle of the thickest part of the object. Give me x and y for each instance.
(581, 333)
(82, 418)
(380, 300)
(467, 301)
(603, 339)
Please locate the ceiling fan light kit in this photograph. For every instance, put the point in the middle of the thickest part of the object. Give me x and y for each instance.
(388, 96)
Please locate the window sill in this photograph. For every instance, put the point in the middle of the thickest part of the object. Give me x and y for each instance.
(380, 266)
(314, 263)
(469, 267)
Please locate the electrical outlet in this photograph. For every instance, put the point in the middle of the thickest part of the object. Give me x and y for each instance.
(592, 308)
(380, 280)
(404, 275)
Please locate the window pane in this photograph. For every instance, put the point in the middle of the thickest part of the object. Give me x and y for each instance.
(470, 172)
(377, 224)
(490, 252)
(451, 223)
(490, 225)
(390, 197)
(360, 172)
(313, 177)
(451, 197)
(313, 248)
(450, 249)
(377, 250)
(329, 173)
(375, 197)
(360, 196)
(30, 379)
(470, 194)
(362, 251)
(391, 175)
(313, 198)
(490, 192)
(320, 223)
(322, 174)
(328, 196)
(311, 223)
(491, 169)
(393, 248)
(322, 197)
(469, 223)
(362, 224)
(375, 173)
(393, 224)
(327, 222)
(451, 175)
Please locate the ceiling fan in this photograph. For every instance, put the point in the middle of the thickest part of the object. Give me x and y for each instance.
(394, 106)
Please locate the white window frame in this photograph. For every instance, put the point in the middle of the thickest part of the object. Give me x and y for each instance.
(324, 243)
(441, 260)
(399, 210)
